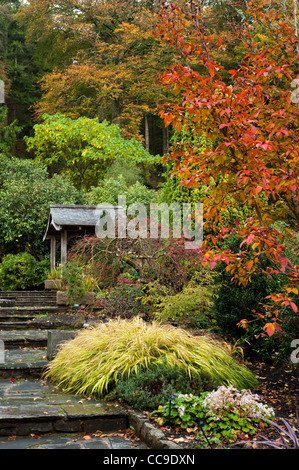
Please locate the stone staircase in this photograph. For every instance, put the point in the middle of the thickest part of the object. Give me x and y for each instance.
(29, 404)
(18, 309)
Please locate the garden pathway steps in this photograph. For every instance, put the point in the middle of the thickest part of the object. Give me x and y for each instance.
(30, 407)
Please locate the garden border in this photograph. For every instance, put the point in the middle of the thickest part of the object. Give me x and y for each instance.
(148, 433)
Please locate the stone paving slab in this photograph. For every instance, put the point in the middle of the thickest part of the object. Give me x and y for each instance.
(65, 441)
(24, 359)
(37, 404)
(26, 334)
(27, 411)
(16, 338)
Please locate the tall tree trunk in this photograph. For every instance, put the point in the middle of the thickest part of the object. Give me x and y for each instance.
(146, 132)
(165, 140)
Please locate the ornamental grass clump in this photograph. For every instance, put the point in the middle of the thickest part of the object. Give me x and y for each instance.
(100, 356)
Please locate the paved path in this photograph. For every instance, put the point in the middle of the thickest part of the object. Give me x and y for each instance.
(67, 441)
(34, 407)
(33, 412)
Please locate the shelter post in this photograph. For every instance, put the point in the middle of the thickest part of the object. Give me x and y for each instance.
(53, 252)
(63, 247)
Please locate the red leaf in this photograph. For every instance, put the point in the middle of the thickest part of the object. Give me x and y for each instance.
(269, 328)
(250, 239)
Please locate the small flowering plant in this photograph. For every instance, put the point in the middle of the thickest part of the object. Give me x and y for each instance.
(227, 412)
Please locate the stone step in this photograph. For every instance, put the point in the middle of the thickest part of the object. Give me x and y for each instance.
(32, 293)
(24, 338)
(11, 325)
(30, 298)
(110, 442)
(37, 301)
(28, 303)
(28, 310)
(20, 363)
(14, 317)
(35, 406)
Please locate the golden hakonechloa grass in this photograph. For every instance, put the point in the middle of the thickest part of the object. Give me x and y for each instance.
(93, 362)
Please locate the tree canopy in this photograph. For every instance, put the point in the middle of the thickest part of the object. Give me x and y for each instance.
(84, 148)
(26, 191)
(251, 122)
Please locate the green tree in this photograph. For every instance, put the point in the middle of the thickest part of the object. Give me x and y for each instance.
(26, 191)
(22, 70)
(8, 133)
(84, 148)
(110, 188)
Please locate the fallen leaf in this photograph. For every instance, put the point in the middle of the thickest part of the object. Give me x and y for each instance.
(179, 439)
(86, 437)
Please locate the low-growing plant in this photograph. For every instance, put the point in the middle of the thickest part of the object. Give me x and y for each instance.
(226, 412)
(93, 362)
(287, 436)
(153, 387)
(55, 273)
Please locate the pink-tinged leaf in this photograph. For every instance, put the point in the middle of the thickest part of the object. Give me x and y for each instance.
(269, 328)
(294, 307)
(250, 239)
(222, 126)
(212, 265)
(293, 187)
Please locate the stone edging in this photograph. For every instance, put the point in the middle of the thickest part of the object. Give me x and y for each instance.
(148, 433)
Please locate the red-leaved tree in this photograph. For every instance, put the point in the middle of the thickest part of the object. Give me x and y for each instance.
(251, 121)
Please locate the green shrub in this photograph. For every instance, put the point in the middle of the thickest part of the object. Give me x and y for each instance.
(235, 302)
(93, 362)
(153, 387)
(129, 172)
(110, 189)
(191, 307)
(124, 300)
(26, 191)
(76, 282)
(22, 271)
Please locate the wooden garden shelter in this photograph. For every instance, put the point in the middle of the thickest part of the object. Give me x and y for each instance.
(66, 222)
